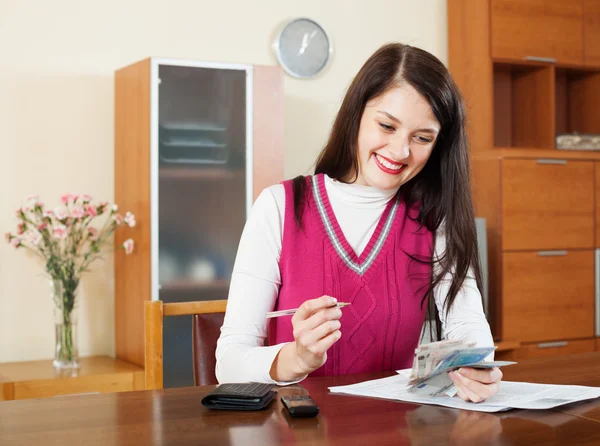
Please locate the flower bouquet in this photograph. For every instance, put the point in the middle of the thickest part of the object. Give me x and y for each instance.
(67, 241)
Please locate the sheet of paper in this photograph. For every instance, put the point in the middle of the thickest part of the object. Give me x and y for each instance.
(511, 395)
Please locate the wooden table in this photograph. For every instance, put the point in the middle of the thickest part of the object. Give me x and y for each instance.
(38, 379)
(176, 417)
(580, 369)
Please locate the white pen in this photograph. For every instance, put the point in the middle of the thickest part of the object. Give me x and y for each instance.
(291, 311)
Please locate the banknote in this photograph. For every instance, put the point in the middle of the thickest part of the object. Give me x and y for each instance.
(427, 356)
(432, 362)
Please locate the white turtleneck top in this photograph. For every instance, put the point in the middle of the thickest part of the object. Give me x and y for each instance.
(255, 282)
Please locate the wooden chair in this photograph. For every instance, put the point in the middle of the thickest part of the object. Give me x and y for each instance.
(206, 324)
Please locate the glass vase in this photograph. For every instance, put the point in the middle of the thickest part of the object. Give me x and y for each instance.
(64, 293)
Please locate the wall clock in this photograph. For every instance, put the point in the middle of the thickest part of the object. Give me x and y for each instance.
(303, 48)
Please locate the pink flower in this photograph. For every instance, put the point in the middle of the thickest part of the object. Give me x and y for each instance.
(60, 213)
(92, 232)
(16, 242)
(48, 214)
(130, 219)
(118, 219)
(77, 212)
(8, 236)
(66, 198)
(60, 231)
(35, 200)
(128, 246)
(21, 228)
(91, 210)
(86, 198)
(42, 226)
(34, 238)
(19, 212)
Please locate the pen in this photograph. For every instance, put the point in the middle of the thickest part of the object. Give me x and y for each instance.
(291, 311)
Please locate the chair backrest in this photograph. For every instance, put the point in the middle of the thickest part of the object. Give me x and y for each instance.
(206, 324)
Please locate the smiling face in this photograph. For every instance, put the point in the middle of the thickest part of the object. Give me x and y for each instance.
(397, 134)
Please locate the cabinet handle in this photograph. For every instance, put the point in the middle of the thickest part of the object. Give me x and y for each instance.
(541, 59)
(553, 344)
(550, 161)
(552, 253)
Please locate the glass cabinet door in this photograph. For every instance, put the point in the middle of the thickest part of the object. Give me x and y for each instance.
(202, 195)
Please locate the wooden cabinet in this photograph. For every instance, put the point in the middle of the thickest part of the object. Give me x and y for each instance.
(529, 70)
(548, 295)
(591, 32)
(537, 29)
(195, 143)
(546, 204)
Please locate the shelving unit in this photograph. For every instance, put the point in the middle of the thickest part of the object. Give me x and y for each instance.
(195, 143)
(529, 70)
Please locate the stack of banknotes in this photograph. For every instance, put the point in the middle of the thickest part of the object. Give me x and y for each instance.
(433, 361)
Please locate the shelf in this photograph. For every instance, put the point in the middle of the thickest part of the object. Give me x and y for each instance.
(193, 285)
(577, 101)
(533, 63)
(533, 153)
(523, 105)
(203, 173)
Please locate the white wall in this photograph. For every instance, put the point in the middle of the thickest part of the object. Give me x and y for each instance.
(57, 61)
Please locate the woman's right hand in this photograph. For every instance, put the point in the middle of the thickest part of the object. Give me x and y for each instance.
(316, 328)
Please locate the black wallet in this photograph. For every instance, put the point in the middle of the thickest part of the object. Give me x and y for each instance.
(240, 396)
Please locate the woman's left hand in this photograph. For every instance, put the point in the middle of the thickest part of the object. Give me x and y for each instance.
(476, 385)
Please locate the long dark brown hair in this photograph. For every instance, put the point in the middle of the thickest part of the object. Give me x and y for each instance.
(442, 187)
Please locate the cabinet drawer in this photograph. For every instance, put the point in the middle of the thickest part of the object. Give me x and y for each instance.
(548, 297)
(547, 204)
(537, 28)
(555, 348)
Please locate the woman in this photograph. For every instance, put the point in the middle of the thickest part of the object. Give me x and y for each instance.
(385, 223)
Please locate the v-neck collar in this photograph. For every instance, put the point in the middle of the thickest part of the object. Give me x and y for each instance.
(363, 263)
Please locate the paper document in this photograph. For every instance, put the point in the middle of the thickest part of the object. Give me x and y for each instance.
(512, 395)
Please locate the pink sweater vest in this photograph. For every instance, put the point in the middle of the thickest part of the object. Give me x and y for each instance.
(381, 328)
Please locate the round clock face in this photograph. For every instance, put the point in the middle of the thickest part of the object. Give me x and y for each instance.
(303, 48)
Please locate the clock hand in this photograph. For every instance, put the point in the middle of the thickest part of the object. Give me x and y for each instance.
(304, 44)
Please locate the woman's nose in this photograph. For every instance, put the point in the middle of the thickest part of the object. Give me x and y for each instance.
(400, 149)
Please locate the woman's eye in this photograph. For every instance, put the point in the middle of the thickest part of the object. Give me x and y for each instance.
(424, 139)
(386, 127)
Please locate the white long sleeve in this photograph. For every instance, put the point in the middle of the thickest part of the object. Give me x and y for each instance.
(241, 354)
(466, 318)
